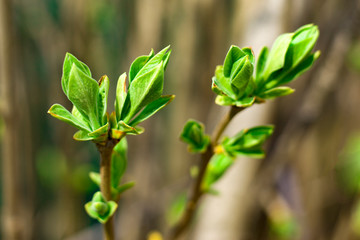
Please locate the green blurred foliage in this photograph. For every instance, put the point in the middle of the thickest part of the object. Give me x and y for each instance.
(51, 167)
(348, 168)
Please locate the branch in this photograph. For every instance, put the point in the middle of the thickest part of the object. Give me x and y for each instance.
(196, 191)
(105, 184)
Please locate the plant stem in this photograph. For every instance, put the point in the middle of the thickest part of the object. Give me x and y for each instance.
(105, 184)
(196, 191)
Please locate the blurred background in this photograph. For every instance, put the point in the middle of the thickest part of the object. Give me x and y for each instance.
(306, 188)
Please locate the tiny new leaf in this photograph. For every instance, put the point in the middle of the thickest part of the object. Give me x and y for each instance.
(118, 162)
(99, 208)
(247, 142)
(193, 134)
(216, 168)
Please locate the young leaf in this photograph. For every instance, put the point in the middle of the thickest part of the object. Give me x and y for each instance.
(120, 95)
(247, 142)
(118, 162)
(233, 55)
(249, 52)
(138, 64)
(68, 63)
(145, 89)
(102, 99)
(101, 132)
(276, 92)
(276, 58)
(151, 109)
(242, 77)
(64, 115)
(100, 209)
(216, 168)
(123, 127)
(261, 65)
(83, 136)
(222, 83)
(193, 134)
(284, 77)
(126, 186)
(245, 102)
(301, 45)
(95, 177)
(224, 101)
(83, 93)
(154, 62)
(251, 152)
(83, 119)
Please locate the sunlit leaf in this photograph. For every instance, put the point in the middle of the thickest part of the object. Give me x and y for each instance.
(118, 162)
(152, 108)
(64, 115)
(193, 134)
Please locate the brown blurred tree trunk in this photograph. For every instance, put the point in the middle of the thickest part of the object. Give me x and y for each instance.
(12, 223)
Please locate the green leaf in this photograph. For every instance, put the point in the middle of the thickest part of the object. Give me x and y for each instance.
(261, 65)
(276, 92)
(176, 209)
(118, 162)
(59, 112)
(161, 57)
(216, 168)
(276, 58)
(222, 83)
(152, 108)
(249, 52)
(101, 133)
(241, 76)
(95, 177)
(124, 187)
(68, 63)
(83, 119)
(102, 99)
(252, 152)
(100, 209)
(224, 101)
(83, 136)
(301, 45)
(145, 89)
(166, 59)
(233, 55)
(138, 64)
(247, 142)
(120, 95)
(245, 102)
(123, 127)
(284, 77)
(83, 93)
(193, 134)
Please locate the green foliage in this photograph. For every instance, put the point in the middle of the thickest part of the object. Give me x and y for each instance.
(99, 208)
(247, 143)
(193, 134)
(176, 209)
(348, 169)
(288, 58)
(50, 166)
(133, 103)
(216, 168)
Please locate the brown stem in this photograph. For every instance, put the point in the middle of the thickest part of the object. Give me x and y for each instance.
(105, 184)
(196, 191)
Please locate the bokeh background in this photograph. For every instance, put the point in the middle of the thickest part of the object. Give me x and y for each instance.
(306, 187)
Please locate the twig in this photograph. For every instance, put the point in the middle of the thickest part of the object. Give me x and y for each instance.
(105, 184)
(196, 191)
